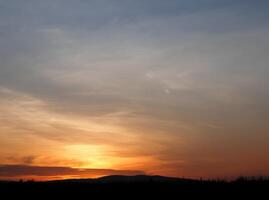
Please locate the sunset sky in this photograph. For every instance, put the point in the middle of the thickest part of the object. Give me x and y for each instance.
(101, 87)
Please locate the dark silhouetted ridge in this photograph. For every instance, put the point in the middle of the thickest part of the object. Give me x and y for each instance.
(139, 186)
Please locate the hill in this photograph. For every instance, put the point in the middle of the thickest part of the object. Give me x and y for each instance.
(137, 186)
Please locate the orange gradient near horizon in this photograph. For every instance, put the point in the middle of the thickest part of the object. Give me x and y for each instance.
(118, 141)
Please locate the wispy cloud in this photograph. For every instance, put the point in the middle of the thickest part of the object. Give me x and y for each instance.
(47, 172)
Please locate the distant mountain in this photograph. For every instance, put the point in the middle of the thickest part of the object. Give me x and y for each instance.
(127, 179)
(139, 178)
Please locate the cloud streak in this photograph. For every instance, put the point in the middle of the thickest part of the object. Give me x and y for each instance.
(14, 171)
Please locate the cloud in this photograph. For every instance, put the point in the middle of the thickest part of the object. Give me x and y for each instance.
(9, 171)
(28, 159)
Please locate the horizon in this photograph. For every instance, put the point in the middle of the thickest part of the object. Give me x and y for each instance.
(124, 87)
(81, 177)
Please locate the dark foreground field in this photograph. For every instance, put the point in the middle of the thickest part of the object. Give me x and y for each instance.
(127, 187)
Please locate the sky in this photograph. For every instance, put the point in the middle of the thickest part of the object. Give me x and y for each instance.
(102, 87)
